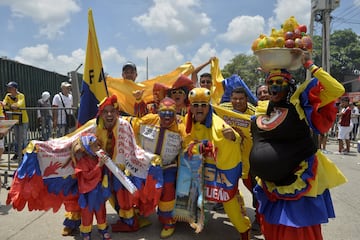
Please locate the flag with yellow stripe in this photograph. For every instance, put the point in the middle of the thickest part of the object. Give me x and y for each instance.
(94, 87)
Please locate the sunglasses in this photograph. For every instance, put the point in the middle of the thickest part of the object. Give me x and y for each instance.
(205, 82)
(202, 105)
(177, 91)
(167, 113)
(277, 81)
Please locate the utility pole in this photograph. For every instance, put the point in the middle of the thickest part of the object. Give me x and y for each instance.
(320, 12)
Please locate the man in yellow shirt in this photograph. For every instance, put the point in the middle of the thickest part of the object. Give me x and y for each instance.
(14, 104)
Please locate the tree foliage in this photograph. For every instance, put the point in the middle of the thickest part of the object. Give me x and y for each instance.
(344, 58)
(246, 66)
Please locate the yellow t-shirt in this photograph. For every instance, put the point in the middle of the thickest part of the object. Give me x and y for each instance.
(19, 100)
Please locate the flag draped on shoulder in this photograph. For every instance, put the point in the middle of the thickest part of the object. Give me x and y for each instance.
(93, 89)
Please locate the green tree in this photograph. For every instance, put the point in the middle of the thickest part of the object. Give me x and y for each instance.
(246, 66)
(344, 53)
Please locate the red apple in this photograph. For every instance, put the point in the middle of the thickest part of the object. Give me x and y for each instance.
(289, 43)
(297, 33)
(302, 28)
(289, 35)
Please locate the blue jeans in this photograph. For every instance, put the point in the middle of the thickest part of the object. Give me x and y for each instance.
(20, 137)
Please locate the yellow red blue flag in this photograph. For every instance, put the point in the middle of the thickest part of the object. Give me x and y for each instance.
(94, 88)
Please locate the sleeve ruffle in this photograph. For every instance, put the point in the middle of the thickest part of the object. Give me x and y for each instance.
(320, 119)
(29, 188)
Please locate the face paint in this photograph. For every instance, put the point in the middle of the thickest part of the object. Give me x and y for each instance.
(277, 84)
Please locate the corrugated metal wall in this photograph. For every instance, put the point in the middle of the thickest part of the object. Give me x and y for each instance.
(32, 82)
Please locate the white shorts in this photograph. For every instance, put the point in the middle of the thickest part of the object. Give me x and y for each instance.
(2, 143)
(344, 132)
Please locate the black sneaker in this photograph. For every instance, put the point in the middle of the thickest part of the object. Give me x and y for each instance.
(15, 157)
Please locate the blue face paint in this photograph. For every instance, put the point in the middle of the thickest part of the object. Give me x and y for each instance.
(278, 88)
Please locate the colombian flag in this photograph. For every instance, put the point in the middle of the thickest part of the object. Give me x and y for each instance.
(94, 88)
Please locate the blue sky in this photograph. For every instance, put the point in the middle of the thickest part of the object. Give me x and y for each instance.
(52, 34)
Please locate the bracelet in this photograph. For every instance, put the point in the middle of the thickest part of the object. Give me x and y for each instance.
(308, 64)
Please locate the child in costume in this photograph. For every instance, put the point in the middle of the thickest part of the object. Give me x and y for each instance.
(92, 193)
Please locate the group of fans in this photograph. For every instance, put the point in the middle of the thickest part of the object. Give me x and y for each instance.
(278, 162)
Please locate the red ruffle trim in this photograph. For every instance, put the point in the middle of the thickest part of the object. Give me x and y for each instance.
(323, 118)
(146, 204)
(282, 232)
(33, 193)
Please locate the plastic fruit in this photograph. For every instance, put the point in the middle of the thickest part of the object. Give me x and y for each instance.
(254, 45)
(270, 42)
(261, 44)
(302, 28)
(279, 42)
(297, 33)
(290, 24)
(289, 35)
(298, 43)
(307, 43)
(289, 43)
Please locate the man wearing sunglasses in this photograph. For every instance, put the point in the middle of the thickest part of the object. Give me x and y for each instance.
(223, 167)
(179, 91)
(163, 134)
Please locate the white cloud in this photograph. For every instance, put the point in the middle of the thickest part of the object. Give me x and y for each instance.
(40, 56)
(243, 30)
(181, 21)
(205, 52)
(284, 9)
(52, 19)
(160, 61)
(112, 54)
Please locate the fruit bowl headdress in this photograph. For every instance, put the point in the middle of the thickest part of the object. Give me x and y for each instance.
(199, 95)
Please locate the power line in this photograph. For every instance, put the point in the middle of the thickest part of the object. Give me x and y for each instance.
(347, 16)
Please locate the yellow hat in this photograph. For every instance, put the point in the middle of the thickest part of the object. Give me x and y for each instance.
(199, 95)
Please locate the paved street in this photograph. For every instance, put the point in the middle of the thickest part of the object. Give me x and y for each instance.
(48, 225)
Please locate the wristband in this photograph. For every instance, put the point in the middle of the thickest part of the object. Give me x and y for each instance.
(308, 63)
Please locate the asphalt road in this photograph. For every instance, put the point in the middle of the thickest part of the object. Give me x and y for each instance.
(27, 225)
